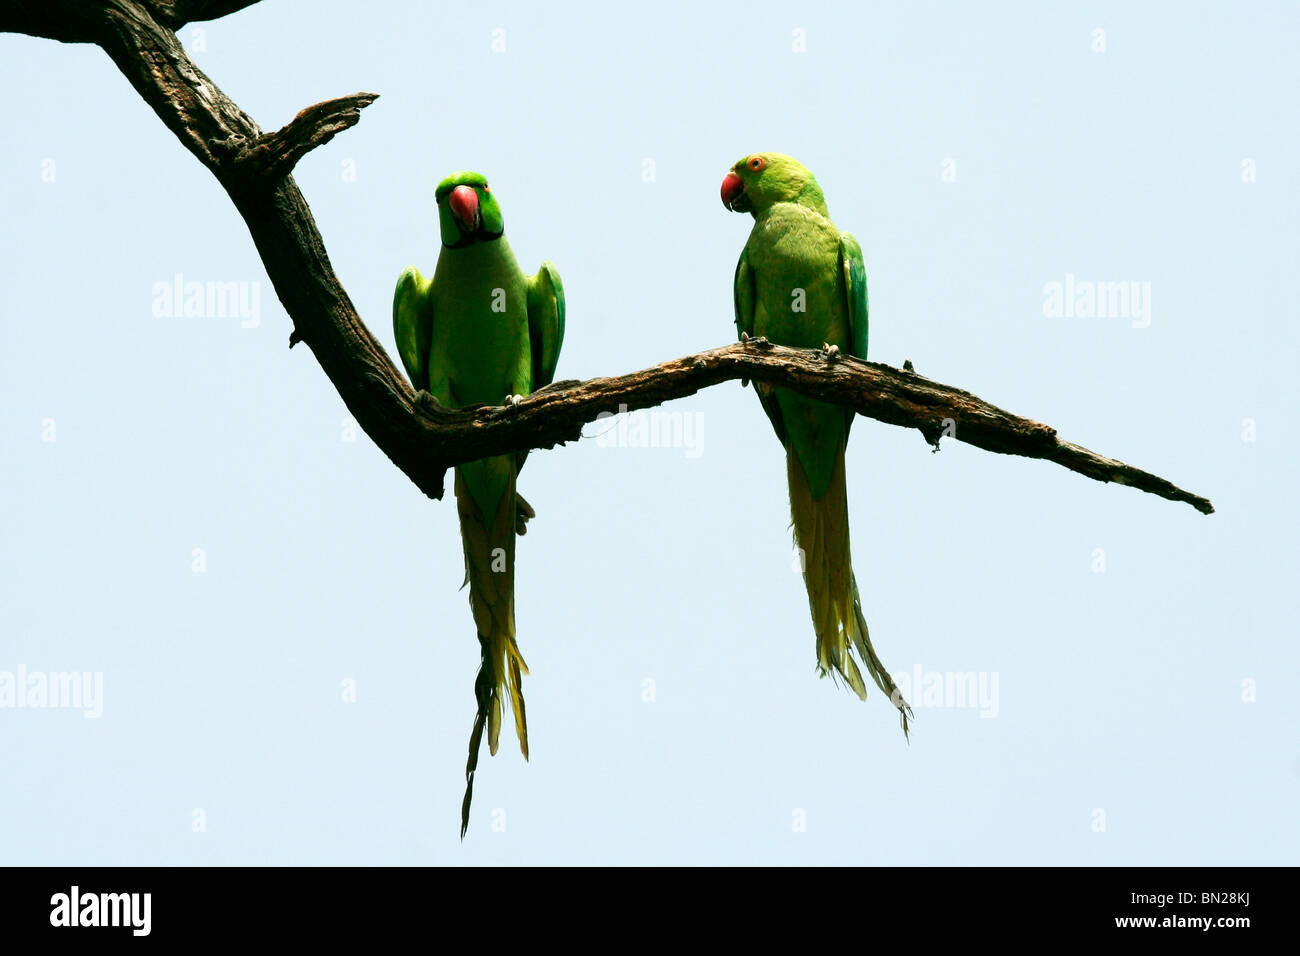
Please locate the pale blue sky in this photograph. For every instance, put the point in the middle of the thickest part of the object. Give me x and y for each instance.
(1119, 691)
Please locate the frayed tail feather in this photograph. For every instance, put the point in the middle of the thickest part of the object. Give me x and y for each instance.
(821, 531)
(489, 571)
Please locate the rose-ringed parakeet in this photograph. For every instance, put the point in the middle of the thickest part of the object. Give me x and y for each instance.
(801, 282)
(481, 333)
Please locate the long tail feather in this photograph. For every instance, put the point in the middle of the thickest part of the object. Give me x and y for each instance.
(490, 573)
(821, 531)
(482, 692)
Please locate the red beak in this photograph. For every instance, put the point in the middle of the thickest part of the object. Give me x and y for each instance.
(464, 206)
(732, 189)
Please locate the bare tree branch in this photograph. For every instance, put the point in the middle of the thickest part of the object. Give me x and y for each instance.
(557, 413)
(274, 155)
(421, 438)
(176, 13)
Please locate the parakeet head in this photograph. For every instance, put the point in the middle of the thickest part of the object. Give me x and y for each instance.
(467, 211)
(761, 180)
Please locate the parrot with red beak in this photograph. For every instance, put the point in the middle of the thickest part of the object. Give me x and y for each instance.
(801, 282)
(480, 332)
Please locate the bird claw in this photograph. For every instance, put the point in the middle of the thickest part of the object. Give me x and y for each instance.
(744, 336)
(832, 352)
(513, 400)
(523, 512)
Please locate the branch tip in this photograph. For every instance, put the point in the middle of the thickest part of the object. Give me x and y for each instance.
(273, 155)
(174, 14)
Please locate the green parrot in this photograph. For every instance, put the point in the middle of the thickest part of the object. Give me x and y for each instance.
(483, 333)
(801, 282)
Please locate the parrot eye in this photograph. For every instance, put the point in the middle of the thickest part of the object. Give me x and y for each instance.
(757, 162)
(485, 189)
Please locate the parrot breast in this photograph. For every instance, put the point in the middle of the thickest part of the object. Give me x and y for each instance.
(795, 258)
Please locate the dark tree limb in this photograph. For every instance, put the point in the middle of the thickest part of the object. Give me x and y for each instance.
(421, 438)
(557, 413)
(176, 13)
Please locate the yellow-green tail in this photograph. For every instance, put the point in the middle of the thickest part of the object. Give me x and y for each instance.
(821, 531)
(490, 574)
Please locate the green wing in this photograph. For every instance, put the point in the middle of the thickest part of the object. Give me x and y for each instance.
(545, 322)
(413, 324)
(855, 295)
(743, 300)
(743, 295)
(545, 336)
(855, 291)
